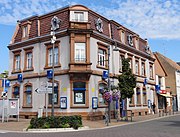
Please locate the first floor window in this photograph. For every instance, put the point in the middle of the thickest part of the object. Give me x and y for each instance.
(151, 71)
(29, 60)
(80, 52)
(17, 62)
(50, 56)
(16, 92)
(143, 69)
(102, 57)
(137, 67)
(79, 89)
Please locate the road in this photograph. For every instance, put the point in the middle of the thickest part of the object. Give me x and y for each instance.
(164, 127)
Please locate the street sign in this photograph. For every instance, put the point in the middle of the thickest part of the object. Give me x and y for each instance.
(43, 90)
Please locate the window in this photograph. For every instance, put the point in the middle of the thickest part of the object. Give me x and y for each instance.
(15, 93)
(79, 16)
(101, 100)
(29, 60)
(50, 56)
(151, 71)
(120, 62)
(56, 95)
(17, 61)
(143, 69)
(25, 31)
(137, 67)
(79, 89)
(160, 81)
(138, 96)
(123, 37)
(102, 57)
(144, 96)
(80, 52)
(27, 95)
(131, 100)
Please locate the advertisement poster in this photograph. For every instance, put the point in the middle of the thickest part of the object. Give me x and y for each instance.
(79, 97)
(63, 102)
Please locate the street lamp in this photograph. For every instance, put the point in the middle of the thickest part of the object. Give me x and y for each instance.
(54, 26)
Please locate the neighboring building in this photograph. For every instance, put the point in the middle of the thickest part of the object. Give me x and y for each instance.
(1, 87)
(163, 97)
(81, 54)
(172, 81)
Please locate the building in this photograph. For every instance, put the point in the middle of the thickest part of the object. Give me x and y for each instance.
(172, 80)
(163, 96)
(83, 41)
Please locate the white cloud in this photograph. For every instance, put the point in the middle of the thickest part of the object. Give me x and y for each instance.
(149, 18)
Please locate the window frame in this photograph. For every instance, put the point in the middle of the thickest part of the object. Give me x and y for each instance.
(15, 69)
(81, 52)
(25, 95)
(143, 68)
(13, 90)
(28, 51)
(48, 47)
(103, 48)
(138, 96)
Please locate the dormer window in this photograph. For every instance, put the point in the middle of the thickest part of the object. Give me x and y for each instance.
(130, 40)
(79, 16)
(25, 31)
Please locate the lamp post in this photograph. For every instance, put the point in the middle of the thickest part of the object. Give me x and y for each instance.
(54, 26)
(4, 83)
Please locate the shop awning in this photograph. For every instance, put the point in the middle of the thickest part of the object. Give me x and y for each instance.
(166, 95)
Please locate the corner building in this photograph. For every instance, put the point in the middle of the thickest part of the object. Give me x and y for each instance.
(81, 54)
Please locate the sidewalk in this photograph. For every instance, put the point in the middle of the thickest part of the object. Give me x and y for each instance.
(13, 125)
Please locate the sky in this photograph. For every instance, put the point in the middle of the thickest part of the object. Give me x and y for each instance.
(156, 20)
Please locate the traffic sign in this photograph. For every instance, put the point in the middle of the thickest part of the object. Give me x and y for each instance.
(43, 90)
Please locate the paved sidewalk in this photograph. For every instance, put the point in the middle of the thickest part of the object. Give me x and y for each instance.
(13, 125)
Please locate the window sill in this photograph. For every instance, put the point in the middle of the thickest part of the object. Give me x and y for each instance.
(55, 66)
(27, 70)
(79, 107)
(15, 71)
(144, 105)
(138, 105)
(101, 67)
(80, 63)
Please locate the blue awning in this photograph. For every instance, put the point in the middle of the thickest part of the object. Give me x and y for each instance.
(79, 89)
(28, 91)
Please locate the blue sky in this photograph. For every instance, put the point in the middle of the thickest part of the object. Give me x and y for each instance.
(156, 20)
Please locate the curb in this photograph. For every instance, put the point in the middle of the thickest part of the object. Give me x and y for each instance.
(57, 129)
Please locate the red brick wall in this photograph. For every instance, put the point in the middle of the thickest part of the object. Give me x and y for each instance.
(45, 22)
(115, 32)
(33, 29)
(142, 45)
(92, 18)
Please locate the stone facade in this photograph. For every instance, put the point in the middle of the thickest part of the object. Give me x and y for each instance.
(81, 53)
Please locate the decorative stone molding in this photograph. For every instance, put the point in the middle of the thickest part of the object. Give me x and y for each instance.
(99, 25)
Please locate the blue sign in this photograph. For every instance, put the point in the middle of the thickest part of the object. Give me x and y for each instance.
(7, 83)
(20, 77)
(105, 74)
(157, 87)
(49, 74)
(145, 81)
(94, 102)
(149, 103)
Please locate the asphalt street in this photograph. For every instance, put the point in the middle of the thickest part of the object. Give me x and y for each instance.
(163, 127)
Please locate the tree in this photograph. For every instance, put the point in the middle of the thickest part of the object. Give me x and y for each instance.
(6, 74)
(127, 80)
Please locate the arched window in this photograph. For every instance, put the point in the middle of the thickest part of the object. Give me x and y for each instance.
(16, 91)
(27, 95)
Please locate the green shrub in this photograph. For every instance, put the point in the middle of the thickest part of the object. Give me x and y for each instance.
(56, 122)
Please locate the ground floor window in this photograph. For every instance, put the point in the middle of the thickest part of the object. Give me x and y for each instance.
(15, 93)
(144, 96)
(138, 96)
(56, 96)
(27, 94)
(79, 90)
(102, 87)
